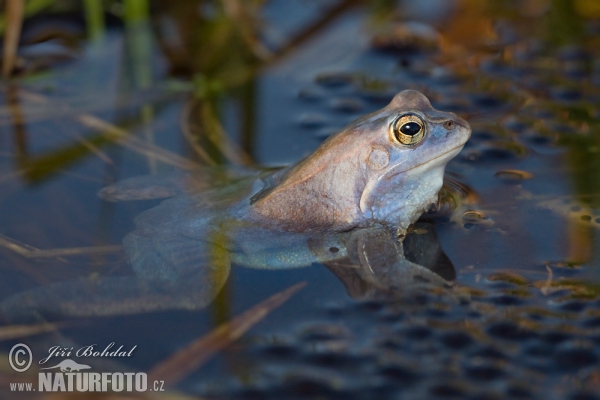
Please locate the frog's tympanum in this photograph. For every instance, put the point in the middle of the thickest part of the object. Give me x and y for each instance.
(350, 203)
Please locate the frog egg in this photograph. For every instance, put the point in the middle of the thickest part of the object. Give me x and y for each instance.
(572, 210)
(473, 216)
(310, 95)
(334, 79)
(496, 152)
(513, 175)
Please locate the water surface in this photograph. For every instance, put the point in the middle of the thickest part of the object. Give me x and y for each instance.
(187, 88)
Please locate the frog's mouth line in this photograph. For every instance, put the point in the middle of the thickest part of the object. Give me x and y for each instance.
(456, 149)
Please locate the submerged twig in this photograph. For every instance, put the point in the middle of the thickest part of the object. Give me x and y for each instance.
(179, 365)
(213, 131)
(14, 13)
(123, 137)
(237, 11)
(93, 148)
(296, 41)
(216, 134)
(191, 137)
(19, 331)
(33, 252)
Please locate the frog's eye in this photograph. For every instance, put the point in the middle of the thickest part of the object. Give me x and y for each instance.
(408, 129)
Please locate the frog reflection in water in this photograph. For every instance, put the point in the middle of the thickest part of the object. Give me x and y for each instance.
(350, 202)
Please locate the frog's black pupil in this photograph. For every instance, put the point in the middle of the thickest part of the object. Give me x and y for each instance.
(410, 128)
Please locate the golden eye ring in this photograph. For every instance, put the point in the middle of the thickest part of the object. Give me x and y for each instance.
(408, 129)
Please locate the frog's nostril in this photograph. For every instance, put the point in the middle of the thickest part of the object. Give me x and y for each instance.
(449, 124)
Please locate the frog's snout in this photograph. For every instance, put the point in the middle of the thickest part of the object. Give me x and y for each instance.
(461, 122)
(455, 121)
(463, 128)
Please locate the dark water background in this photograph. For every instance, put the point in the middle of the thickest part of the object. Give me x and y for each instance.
(265, 84)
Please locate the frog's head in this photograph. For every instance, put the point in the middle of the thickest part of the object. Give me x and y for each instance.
(407, 146)
(386, 168)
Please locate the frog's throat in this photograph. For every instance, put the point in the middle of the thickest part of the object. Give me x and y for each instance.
(450, 154)
(367, 193)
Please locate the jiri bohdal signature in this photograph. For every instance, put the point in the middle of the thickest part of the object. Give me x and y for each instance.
(91, 350)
